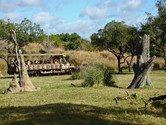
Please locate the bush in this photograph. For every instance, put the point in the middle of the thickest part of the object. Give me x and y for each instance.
(108, 79)
(75, 75)
(95, 74)
(42, 51)
(156, 66)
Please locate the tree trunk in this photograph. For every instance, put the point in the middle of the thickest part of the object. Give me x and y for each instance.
(119, 64)
(130, 63)
(26, 84)
(144, 65)
(165, 54)
(13, 87)
(141, 77)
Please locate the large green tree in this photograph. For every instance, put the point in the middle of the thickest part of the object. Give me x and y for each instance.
(69, 41)
(28, 32)
(156, 27)
(118, 38)
(3, 30)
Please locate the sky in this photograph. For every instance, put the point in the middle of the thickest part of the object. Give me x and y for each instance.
(83, 17)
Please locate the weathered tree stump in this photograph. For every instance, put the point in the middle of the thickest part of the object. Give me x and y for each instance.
(144, 64)
(13, 87)
(25, 83)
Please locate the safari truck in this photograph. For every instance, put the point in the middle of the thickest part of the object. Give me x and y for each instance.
(38, 64)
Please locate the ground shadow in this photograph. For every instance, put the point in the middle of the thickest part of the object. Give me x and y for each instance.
(64, 114)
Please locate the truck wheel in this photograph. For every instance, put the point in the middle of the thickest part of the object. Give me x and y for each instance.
(37, 73)
(71, 71)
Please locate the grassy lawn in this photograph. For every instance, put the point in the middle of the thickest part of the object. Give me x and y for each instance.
(59, 103)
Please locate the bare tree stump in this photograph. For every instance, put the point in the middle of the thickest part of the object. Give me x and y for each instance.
(144, 64)
(14, 86)
(26, 84)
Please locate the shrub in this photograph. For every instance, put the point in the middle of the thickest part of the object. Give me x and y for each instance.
(156, 66)
(108, 79)
(42, 51)
(95, 74)
(23, 51)
(75, 75)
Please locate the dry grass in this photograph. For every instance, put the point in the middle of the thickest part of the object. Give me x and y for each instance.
(159, 62)
(84, 57)
(79, 57)
(33, 48)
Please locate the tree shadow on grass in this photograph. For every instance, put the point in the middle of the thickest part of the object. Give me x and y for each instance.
(65, 114)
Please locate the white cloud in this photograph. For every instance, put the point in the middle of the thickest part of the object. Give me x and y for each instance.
(97, 11)
(14, 17)
(57, 25)
(31, 3)
(43, 18)
(131, 5)
(83, 27)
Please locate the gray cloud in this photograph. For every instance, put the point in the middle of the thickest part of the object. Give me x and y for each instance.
(10, 5)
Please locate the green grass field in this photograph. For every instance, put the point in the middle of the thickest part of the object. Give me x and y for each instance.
(59, 103)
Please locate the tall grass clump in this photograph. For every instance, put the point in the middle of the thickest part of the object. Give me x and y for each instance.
(95, 75)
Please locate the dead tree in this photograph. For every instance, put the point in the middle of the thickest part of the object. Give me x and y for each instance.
(24, 83)
(15, 48)
(13, 87)
(124, 97)
(161, 97)
(144, 64)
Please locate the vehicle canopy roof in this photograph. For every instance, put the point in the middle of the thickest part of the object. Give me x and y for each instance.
(47, 54)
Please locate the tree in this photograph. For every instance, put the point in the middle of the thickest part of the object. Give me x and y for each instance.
(116, 38)
(25, 83)
(144, 64)
(28, 32)
(3, 30)
(132, 45)
(156, 27)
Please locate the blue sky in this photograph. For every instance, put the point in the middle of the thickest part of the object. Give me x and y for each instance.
(81, 16)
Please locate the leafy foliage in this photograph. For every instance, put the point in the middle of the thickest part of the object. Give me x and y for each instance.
(28, 32)
(69, 41)
(118, 38)
(95, 75)
(156, 27)
(4, 30)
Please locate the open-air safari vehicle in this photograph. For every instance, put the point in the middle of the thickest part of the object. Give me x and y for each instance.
(38, 64)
